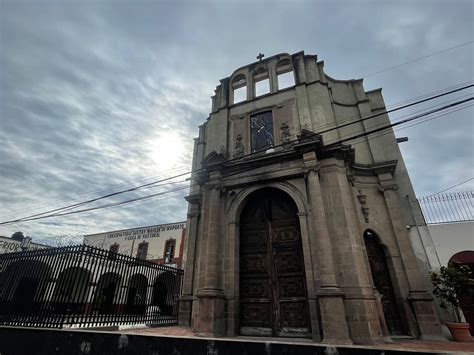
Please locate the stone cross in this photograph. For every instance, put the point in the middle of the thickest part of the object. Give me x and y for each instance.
(260, 56)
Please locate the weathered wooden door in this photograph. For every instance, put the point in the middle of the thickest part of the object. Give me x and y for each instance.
(273, 297)
(383, 283)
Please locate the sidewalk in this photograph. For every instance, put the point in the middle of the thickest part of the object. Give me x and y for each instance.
(398, 345)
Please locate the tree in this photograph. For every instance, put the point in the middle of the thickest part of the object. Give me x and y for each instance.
(451, 283)
(18, 236)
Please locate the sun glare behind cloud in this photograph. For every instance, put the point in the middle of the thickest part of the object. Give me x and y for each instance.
(167, 151)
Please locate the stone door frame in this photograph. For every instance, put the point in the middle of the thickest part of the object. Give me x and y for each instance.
(232, 254)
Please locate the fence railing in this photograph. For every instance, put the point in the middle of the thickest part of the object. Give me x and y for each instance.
(450, 207)
(84, 286)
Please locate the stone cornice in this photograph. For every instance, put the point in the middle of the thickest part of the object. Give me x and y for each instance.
(193, 199)
(375, 169)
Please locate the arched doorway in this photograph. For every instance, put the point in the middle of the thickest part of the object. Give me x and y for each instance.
(273, 296)
(165, 294)
(383, 282)
(106, 290)
(71, 290)
(136, 296)
(466, 302)
(23, 285)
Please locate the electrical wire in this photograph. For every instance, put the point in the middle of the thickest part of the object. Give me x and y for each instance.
(187, 173)
(418, 116)
(349, 121)
(451, 187)
(417, 59)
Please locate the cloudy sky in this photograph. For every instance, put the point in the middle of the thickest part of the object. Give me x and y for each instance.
(96, 97)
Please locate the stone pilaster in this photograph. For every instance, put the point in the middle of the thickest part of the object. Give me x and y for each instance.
(347, 244)
(210, 320)
(420, 299)
(330, 297)
(185, 302)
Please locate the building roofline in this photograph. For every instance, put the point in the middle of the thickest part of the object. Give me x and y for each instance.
(129, 229)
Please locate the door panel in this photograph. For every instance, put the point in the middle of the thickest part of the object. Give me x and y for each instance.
(273, 298)
(383, 284)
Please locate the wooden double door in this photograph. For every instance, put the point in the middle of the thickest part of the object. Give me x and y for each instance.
(273, 296)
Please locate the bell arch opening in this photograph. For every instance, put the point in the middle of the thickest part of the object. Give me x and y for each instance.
(272, 283)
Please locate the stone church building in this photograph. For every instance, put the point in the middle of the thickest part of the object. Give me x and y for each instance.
(292, 232)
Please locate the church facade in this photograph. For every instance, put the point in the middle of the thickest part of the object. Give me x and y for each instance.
(297, 220)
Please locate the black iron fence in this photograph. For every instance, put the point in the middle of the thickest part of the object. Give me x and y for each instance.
(84, 286)
(449, 207)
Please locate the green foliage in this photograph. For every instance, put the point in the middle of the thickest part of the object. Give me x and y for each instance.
(450, 283)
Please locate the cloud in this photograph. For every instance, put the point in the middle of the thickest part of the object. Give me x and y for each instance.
(89, 90)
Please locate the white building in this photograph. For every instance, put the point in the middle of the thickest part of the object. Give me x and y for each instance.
(163, 244)
(447, 237)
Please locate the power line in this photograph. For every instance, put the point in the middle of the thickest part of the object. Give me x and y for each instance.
(162, 193)
(404, 121)
(349, 121)
(380, 134)
(230, 160)
(112, 187)
(398, 108)
(417, 59)
(451, 187)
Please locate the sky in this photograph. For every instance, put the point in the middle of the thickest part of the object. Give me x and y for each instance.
(101, 96)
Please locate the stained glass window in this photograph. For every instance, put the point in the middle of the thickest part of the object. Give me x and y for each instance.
(261, 126)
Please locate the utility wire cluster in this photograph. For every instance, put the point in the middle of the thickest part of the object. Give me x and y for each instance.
(375, 132)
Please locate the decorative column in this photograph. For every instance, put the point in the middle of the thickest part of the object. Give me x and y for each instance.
(185, 302)
(421, 300)
(348, 250)
(331, 302)
(211, 300)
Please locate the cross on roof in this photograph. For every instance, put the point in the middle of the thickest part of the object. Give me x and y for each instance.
(260, 56)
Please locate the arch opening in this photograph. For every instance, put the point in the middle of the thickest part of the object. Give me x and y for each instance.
(273, 295)
(239, 89)
(24, 285)
(382, 282)
(466, 302)
(106, 292)
(71, 290)
(261, 80)
(165, 294)
(285, 74)
(137, 294)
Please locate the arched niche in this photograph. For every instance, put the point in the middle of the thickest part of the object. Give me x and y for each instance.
(238, 89)
(382, 279)
(166, 293)
(24, 285)
(136, 294)
(285, 74)
(71, 290)
(107, 292)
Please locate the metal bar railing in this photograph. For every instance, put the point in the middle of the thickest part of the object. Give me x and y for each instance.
(448, 207)
(85, 286)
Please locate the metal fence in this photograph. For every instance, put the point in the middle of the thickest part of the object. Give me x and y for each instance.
(446, 208)
(84, 286)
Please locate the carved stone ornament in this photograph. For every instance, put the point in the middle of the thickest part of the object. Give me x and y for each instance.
(365, 210)
(362, 198)
(285, 136)
(239, 147)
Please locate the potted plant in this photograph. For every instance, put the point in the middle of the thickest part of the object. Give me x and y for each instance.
(449, 284)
